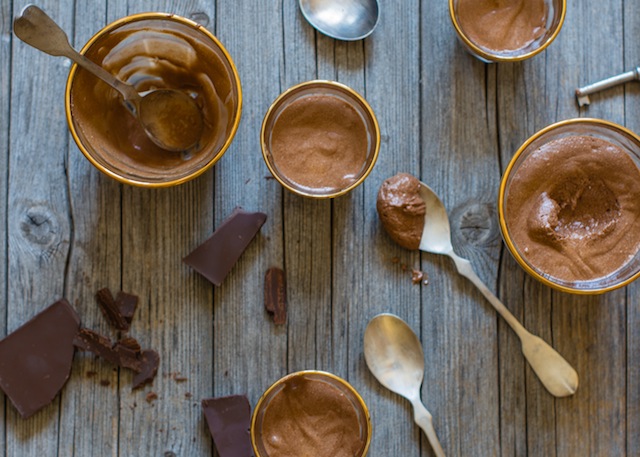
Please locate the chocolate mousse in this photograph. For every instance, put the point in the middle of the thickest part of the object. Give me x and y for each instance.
(402, 210)
(319, 143)
(573, 208)
(309, 416)
(505, 25)
(152, 54)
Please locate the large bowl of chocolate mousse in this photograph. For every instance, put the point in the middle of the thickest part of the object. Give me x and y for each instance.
(569, 206)
(153, 51)
(320, 139)
(507, 30)
(311, 413)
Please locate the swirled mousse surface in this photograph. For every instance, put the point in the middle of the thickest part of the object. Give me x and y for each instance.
(402, 210)
(319, 143)
(573, 208)
(311, 417)
(502, 25)
(153, 54)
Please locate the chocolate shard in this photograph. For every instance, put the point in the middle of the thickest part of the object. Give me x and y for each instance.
(229, 420)
(110, 310)
(127, 305)
(35, 359)
(100, 345)
(150, 362)
(275, 294)
(129, 354)
(214, 258)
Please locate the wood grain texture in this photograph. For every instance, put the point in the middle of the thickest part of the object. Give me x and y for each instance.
(67, 230)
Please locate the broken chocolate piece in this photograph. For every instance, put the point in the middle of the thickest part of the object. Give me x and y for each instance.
(214, 258)
(129, 354)
(229, 421)
(35, 359)
(275, 294)
(124, 353)
(118, 312)
(149, 368)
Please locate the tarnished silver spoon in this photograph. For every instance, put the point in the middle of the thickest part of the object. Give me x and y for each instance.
(171, 118)
(555, 373)
(347, 20)
(394, 355)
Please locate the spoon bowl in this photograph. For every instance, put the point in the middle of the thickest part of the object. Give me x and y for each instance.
(346, 20)
(170, 118)
(394, 356)
(555, 373)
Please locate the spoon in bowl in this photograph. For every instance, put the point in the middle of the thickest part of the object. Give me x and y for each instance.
(347, 20)
(555, 373)
(170, 118)
(394, 356)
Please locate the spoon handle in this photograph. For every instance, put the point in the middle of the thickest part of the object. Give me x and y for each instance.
(423, 418)
(37, 29)
(555, 373)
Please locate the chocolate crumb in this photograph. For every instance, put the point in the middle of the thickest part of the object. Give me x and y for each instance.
(416, 276)
(275, 295)
(151, 396)
(188, 395)
(91, 374)
(105, 382)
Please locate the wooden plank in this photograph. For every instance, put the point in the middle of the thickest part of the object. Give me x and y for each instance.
(39, 229)
(5, 116)
(460, 163)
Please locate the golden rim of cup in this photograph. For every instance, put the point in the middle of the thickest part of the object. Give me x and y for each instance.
(320, 373)
(490, 57)
(139, 17)
(330, 84)
(501, 202)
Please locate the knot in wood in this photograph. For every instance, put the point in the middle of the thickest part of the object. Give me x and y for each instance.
(474, 223)
(200, 17)
(40, 226)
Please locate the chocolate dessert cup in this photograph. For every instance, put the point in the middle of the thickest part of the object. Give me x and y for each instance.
(569, 206)
(153, 51)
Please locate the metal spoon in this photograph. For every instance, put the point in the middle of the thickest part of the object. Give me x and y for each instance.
(171, 118)
(394, 355)
(347, 20)
(555, 373)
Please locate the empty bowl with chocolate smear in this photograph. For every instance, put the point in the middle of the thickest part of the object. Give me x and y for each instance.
(569, 206)
(320, 139)
(152, 51)
(507, 30)
(311, 413)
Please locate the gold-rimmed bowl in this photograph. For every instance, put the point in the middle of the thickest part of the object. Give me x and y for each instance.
(628, 197)
(153, 51)
(264, 423)
(326, 111)
(556, 11)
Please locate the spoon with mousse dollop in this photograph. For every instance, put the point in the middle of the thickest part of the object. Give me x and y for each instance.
(347, 20)
(394, 356)
(426, 212)
(170, 118)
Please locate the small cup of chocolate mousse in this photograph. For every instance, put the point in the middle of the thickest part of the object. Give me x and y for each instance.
(153, 51)
(507, 30)
(320, 139)
(569, 206)
(312, 413)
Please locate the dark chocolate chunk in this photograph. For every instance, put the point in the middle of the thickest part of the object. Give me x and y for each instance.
(229, 421)
(275, 294)
(118, 312)
(214, 258)
(150, 361)
(35, 360)
(124, 353)
(127, 304)
(129, 354)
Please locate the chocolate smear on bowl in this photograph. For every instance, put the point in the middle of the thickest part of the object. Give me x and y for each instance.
(229, 420)
(215, 258)
(36, 358)
(275, 294)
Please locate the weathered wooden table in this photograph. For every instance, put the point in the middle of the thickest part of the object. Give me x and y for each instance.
(445, 117)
